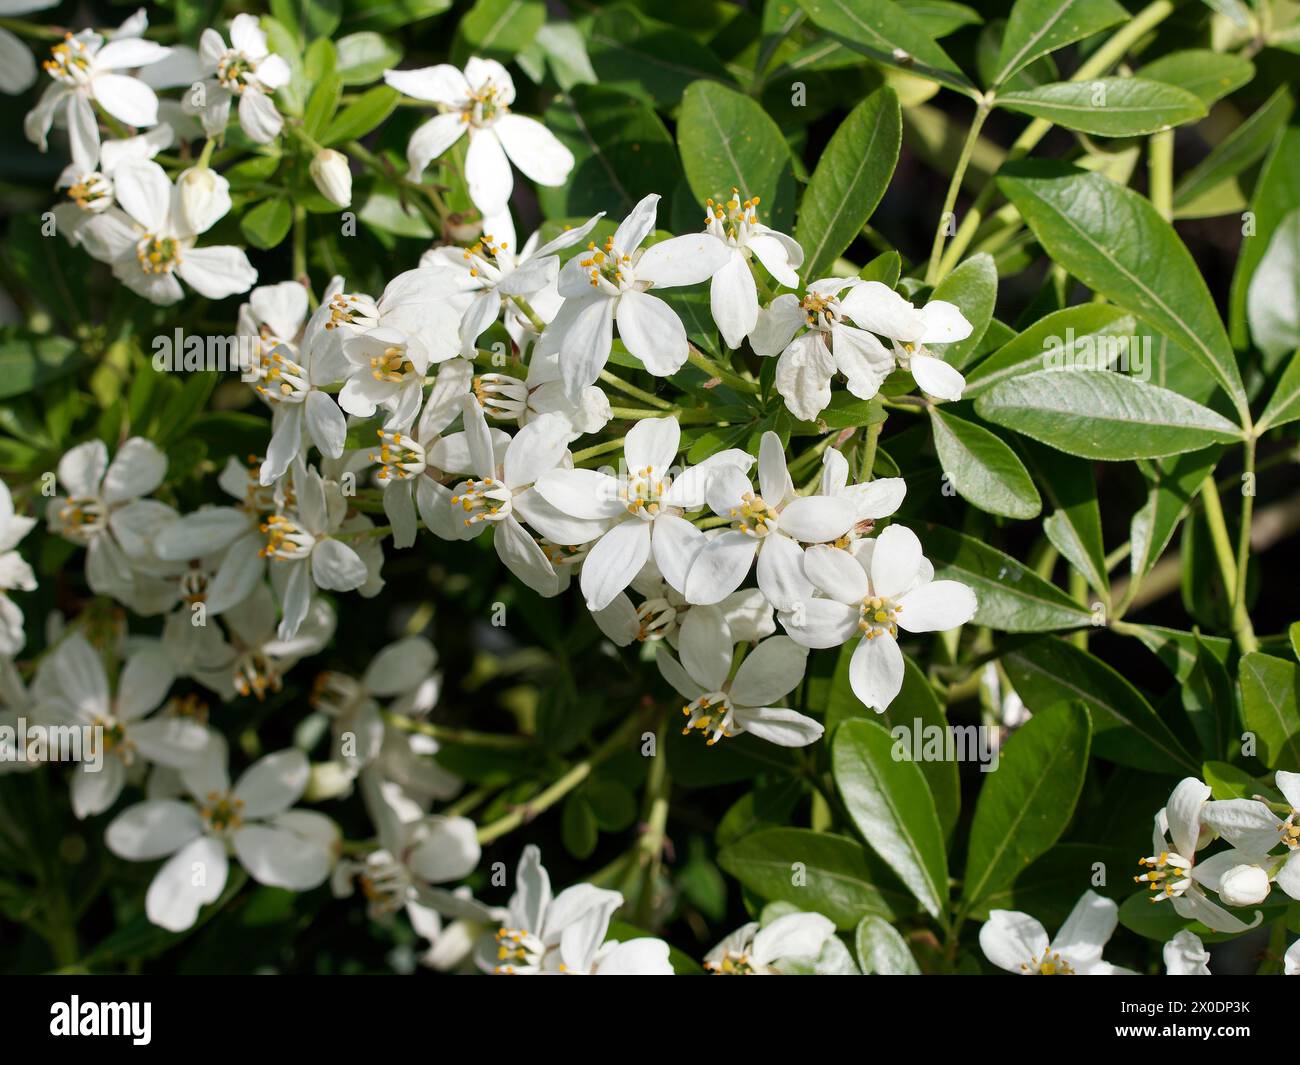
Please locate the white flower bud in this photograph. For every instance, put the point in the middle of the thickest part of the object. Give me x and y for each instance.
(333, 176)
(204, 196)
(1244, 885)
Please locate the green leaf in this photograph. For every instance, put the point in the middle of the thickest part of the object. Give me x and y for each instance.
(1209, 75)
(622, 150)
(1126, 728)
(885, 268)
(1240, 149)
(649, 59)
(1011, 597)
(268, 223)
(851, 177)
(498, 29)
(363, 58)
(817, 871)
(891, 805)
(578, 826)
(1277, 194)
(1273, 299)
(885, 32)
(29, 361)
(1103, 415)
(982, 468)
(973, 287)
(385, 212)
(1284, 406)
(728, 141)
(321, 104)
(1074, 528)
(939, 18)
(882, 951)
(1108, 107)
(1039, 27)
(1228, 782)
(1094, 334)
(1116, 243)
(1268, 702)
(390, 14)
(1172, 486)
(362, 115)
(1024, 807)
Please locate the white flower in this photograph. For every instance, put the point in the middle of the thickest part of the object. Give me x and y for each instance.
(90, 193)
(17, 67)
(733, 295)
(814, 338)
(565, 933)
(1254, 830)
(883, 311)
(492, 273)
(1172, 871)
(793, 941)
(415, 850)
(874, 589)
(612, 283)
(280, 847)
(85, 72)
(304, 541)
(411, 465)
(771, 526)
(152, 239)
(83, 699)
(261, 657)
(644, 502)
(247, 69)
(209, 556)
(541, 392)
(477, 103)
(723, 704)
(1016, 942)
(102, 511)
(1185, 955)
(15, 573)
(501, 488)
(293, 364)
(333, 176)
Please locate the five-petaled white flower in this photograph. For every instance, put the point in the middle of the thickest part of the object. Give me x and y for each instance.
(724, 701)
(247, 69)
(788, 945)
(612, 283)
(1018, 943)
(872, 590)
(880, 309)
(279, 846)
(477, 103)
(644, 503)
(87, 71)
(15, 573)
(733, 293)
(1185, 955)
(90, 193)
(151, 240)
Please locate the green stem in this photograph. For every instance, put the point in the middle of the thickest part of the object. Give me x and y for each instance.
(698, 359)
(630, 389)
(466, 737)
(1241, 616)
(1160, 170)
(1241, 625)
(933, 273)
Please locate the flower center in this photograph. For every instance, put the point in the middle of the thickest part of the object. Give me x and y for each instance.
(482, 257)
(187, 706)
(1166, 875)
(82, 517)
(605, 264)
(335, 693)
(658, 618)
(91, 192)
(285, 379)
(1050, 964)
(400, 457)
(158, 255)
(500, 395)
(731, 221)
(878, 615)
(114, 739)
(733, 964)
(285, 540)
(392, 366)
(753, 517)
(642, 492)
(385, 883)
(485, 500)
(221, 812)
(194, 584)
(234, 71)
(69, 61)
(485, 107)
(352, 309)
(255, 675)
(518, 950)
(822, 312)
(712, 714)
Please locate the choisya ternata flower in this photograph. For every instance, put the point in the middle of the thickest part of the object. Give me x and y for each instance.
(1017, 942)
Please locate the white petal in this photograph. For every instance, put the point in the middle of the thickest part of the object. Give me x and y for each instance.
(780, 573)
(638, 225)
(836, 573)
(336, 567)
(652, 332)
(127, 99)
(534, 149)
(943, 323)
(817, 519)
(706, 647)
(936, 607)
(936, 378)
(895, 561)
(487, 171)
(1090, 924)
(430, 141)
(720, 567)
(152, 829)
(614, 561)
(280, 858)
(652, 442)
(876, 671)
(684, 260)
(441, 84)
(821, 623)
(586, 494)
(675, 542)
(217, 272)
(779, 725)
(1012, 940)
(194, 875)
(769, 672)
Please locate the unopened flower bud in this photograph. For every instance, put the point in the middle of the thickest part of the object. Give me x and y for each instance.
(1244, 885)
(333, 176)
(204, 197)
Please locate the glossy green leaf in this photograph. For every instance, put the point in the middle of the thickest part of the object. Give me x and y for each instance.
(1039, 27)
(638, 55)
(891, 805)
(1273, 299)
(1208, 75)
(498, 29)
(363, 58)
(1171, 487)
(1108, 107)
(1025, 805)
(362, 115)
(1244, 145)
(268, 223)
(881, 950)
(1074, 528)
(1276, 195)
(1268, 701)
(982, 468)
(1284, 404)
